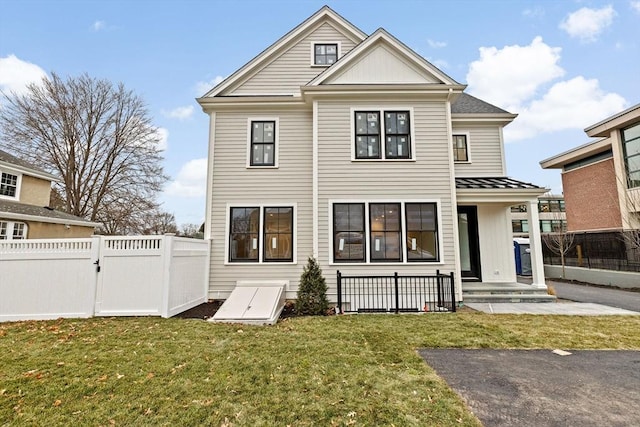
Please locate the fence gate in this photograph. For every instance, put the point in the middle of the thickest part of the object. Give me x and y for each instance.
(129, 270)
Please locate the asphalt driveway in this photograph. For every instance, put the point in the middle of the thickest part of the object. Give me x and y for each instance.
(541, 388)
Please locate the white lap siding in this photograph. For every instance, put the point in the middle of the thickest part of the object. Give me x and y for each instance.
(485, 150)
(235, 184)
(341, 179)
(292, 69)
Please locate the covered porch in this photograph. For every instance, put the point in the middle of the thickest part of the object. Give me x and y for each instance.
(485, 239)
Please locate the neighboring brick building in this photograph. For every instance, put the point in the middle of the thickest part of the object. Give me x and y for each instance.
(601, 179)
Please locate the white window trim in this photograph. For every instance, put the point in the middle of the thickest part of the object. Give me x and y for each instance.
(367, 232)
(312, 60)
(467, 134)
(261, 206)
(18, 183)
(381, 110)
(10, 228)
(276, 141)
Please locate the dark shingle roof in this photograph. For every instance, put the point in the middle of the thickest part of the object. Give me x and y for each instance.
(32, 210)
(10, 158)
(467, 104)
(494, 183)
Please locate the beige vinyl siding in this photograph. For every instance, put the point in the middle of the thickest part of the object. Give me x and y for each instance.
(485, 150)
(35, 191)
(340, 178)
(292, 68)
(234, 183)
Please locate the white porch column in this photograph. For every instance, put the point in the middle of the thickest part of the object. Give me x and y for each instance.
(535, 244)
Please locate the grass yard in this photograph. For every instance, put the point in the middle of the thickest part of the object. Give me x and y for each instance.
(340, 370)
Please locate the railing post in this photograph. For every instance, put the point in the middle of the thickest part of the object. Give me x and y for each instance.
(339, 308)
(453, 292)
(395, 280)
(439, 285)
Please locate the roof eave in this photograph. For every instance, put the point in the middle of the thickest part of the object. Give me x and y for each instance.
(38, 218)
(617, 121)
(578, 153)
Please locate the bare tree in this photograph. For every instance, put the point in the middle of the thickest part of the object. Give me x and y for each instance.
(97, 136)
(192, 230)
(559, 241)
(158, 222)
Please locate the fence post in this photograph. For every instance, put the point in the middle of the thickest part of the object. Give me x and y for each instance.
(439, 286)
(395, 285)
(339, 308)
(453, 293)
(96, 246)
(167, 261)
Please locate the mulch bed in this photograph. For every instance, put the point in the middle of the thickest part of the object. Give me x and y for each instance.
(208, 309)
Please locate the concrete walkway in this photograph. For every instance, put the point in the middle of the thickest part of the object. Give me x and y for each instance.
(563, 308)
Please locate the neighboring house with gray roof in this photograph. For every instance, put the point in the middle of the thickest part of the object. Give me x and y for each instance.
(25, 193)
(356, 150)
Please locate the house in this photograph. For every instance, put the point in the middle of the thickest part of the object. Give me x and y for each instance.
(25, 193)
(354, 149)
(601, 179)
(551, 210)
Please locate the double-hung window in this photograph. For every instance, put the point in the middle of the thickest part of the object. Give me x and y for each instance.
(371, 131)
(349, 237)
(8, 184)
(422, 231)
(261, 234)
(263, 143)
(385, 232)
(460, 149)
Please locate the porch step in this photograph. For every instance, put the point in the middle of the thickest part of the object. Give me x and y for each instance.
(504, 293)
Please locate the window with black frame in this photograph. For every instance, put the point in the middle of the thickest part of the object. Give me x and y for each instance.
(325, 54)
(367, 134)
(244, 234)
(263, 143)
(278, 234)
(348, 232)
(385, 232)
(397, 135)
(631, 146)
(460, 152)
(422, 232)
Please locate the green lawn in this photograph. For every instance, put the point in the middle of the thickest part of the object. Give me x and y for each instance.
(340, 370)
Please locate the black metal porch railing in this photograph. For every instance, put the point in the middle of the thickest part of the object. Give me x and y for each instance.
(395, 293)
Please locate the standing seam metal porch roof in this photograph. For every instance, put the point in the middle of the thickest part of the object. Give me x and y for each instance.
(494, 183)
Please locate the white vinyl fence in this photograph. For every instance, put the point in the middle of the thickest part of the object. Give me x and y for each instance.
(101, 276)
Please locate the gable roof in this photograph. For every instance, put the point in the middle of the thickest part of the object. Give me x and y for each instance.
(25, 166)
(382, 36)
(322, 15)
(25, 212)
(467, 104)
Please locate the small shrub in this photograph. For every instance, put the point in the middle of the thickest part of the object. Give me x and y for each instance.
(312, 293)
(551, 290)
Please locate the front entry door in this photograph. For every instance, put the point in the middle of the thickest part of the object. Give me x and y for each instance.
(468, 239)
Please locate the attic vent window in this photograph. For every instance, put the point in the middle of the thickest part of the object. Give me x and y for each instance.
(325, 54)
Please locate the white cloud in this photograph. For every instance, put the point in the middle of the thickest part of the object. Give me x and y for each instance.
(180, 113)
(635, 5)
(191, 180)
(587, 24)
(436, 44)
(536, 12)
(16, 74)
(524, 80)
(204, 87)
(508, 76)
(570, 104)
(99, 25)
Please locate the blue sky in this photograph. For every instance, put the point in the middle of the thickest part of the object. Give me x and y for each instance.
(561, 65)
